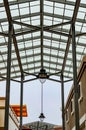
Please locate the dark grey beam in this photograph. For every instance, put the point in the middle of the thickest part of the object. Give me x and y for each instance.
(41, 25)
(26, 32)
(75, 79)
(56, 73)
(65, 81)
(57, 25)
(44, 28)
(5, 78)
(81, 34)
(28, 80)
(59, 33)
(27, 73)
(21, 100)
(26, 25)
(62, 97)
(77, 4)
(7, 100)
(3, 34)
(55, 80)
(6, 4)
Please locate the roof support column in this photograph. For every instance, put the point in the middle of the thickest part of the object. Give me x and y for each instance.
(75, 78)
(21, 100)
(7, 100)
(62, 94)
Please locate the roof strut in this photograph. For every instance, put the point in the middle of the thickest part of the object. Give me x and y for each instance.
(41, 25)
(77, 4)
(6, 4)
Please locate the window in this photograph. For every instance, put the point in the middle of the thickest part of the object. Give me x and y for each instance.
(67, 115)
(72, 106)
(79, 92)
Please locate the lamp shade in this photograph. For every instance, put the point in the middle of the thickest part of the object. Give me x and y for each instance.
(41, 117)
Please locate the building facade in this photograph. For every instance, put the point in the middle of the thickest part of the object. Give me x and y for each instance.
(69, 108)
(14, 113)
(13, 120)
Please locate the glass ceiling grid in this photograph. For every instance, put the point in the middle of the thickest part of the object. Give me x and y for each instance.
(22, 36)
(60, 35)
(31, 35)
(29, 43)
(51, 37)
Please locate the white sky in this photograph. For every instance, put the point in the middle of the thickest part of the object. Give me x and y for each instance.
(32, 98)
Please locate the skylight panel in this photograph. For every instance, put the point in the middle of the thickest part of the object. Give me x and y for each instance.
(23, 5)
(68, 62)
(36, 34)
(83, 1)
(69, 7)
(68, 13)
(34, 3)
(1, 1)
(37, 64)
(46, 64)
(46, 58)
(81, 15)
(82, 9)
(35, 8)
(37, 58)
(35, 20)
(53, 59)
(60, 5)
(49, 3)
(54, 52)
(24, 11)
(52, 65)
(48, 9)
(30, 59)
(59, 11)
(46, 50)
(3, 15)
(29, 52)
(37, 50)
(31, 65)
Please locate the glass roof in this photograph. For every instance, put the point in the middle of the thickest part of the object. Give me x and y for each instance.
(42, 35)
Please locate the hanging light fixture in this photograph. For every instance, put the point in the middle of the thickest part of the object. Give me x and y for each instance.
(42, 75)
(41, 114)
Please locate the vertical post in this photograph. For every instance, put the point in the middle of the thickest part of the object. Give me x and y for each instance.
(21, 100)
(62, 94)
(75, 78)
(7, 100)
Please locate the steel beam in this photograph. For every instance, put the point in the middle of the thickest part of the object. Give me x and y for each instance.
(77, 4)
(62, 96)
(41, 25)
(7, 102)
(44, 28)
(6, 4)
(4, 78)
(21, 100)
(59, 33)
(55, 80)
(26, 25)
(30, 80)
(57, 25)
(81, 34)
(75, 79)
(4, 34)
